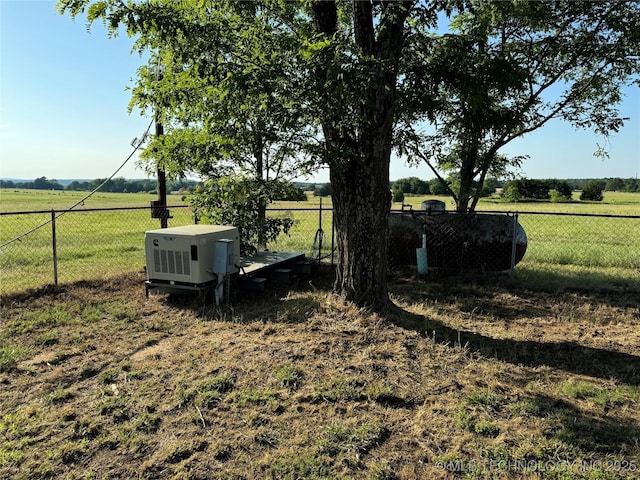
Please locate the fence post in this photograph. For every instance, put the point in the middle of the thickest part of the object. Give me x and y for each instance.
(54, 247)
(320, 232)
(513, 245)
(333, 234)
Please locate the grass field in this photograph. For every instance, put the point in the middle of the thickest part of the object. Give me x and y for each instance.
(12, 200)
(593, 250)
(615, 203)
(458, 380)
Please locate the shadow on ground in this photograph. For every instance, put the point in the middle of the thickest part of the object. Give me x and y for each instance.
(584, 430)
(276, 304)
(569, 356)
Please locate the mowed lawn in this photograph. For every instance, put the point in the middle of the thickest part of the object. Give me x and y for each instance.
(89, 244)
(461, 379)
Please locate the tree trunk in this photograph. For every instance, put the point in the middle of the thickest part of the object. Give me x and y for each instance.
(361, 202)
(359, 154)
(469, 160)
(262, 204)
(466, 185)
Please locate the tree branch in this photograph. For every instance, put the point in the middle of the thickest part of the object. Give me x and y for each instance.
(435, 172)
(325, 17)
(363, 27)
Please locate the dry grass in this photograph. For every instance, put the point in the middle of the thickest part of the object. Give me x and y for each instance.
(458, 380)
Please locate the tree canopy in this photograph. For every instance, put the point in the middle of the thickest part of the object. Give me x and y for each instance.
(411, 185)
(504, 69)
(223, 82)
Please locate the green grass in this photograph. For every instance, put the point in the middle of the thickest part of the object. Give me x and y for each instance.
(289, 376)
(93, 245)
(341, 438)
(584, 241)
(613, 203)
(98, 244)
(340, 389)
(9, 356)
(89, 245)
(21, 200)
(587, 251)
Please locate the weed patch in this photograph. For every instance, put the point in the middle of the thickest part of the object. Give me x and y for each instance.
(9, 357)
(59, 396)
(579, 390)
(207, 393)
(485, 398)
(113, 406)
(340, 389)
(340, 438)
(289, 376)
(71, 452)
(486, 428)
(249, 396)
(46, 339)
(296, 465)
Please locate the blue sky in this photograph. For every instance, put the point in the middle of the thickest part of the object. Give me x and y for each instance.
(64, 98)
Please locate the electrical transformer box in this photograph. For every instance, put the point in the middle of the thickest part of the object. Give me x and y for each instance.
(187, 255)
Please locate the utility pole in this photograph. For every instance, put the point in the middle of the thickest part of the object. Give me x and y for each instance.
(159, 207)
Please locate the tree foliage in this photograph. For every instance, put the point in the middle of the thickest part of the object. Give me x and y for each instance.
(592, 191)
(40, 183)
(621, 185)
(236, 201)
(223, 81)
(323, 190)
(528, 189)
(505, 69)
(550, 189)
(562, 189)
(439, 186)
(397, 195)
(412, 185)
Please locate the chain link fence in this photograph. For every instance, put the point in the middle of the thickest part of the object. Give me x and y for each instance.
(587, 250)
(49, 247)
(45, 247)
(595, 252)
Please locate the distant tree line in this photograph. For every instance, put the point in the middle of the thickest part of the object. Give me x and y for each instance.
(561, 190)
(621, 185)
(287, 191)
(531, 189)
(514, 190)
(415, 186)
(115, 185)
(322, 190)
(555, 190)
(606, 184)
(38, 184)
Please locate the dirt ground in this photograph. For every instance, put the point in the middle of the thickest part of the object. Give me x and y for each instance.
(460, 378)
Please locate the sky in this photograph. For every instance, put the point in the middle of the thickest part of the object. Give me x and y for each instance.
(64, 109)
